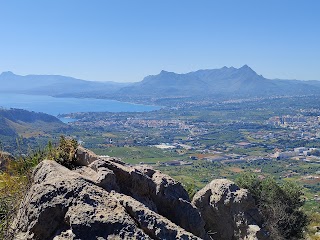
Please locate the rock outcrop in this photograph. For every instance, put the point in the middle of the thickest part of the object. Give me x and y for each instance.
(103, 198)
(157, 191)
(63, 204)
(229, 212)
(4, 158)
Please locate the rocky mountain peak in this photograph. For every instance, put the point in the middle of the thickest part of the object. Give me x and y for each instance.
(163, 72)
(246, 68)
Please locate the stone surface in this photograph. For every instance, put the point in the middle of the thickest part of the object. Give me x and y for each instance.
(103, 198)
(62, 204)
(158, 191)
(229, 212)
(85, 156)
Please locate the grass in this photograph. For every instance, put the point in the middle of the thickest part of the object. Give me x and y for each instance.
(314, 223)
(109, 135)
(14, 183)
(136, 155)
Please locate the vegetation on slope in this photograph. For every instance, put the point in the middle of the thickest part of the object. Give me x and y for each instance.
(15, 178)
(279, 204)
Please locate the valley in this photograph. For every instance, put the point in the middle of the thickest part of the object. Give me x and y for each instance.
(160, 120)
(213, 140)
(194, 139)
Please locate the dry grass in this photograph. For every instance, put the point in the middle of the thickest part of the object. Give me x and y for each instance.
(14, 182)
(16, 175)
(235, 169)
(314, 226)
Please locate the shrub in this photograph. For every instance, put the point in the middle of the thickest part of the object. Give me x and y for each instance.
(279, 205)
(191, 189)
(65, 152)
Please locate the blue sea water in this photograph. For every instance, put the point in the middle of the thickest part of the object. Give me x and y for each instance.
(55, 106)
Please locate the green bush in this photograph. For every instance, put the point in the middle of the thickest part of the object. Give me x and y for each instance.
(191, 189)
(65, 152)
(279, 205)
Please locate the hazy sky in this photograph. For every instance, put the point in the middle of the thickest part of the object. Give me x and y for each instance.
(126, 40)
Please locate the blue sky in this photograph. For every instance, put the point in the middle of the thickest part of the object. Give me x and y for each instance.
(117, 40)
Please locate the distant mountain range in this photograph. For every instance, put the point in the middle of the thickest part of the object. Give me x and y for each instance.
(226, 81)
(202, 83)
(53, 85)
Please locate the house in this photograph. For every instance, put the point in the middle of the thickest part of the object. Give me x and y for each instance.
(300, 149)
(284, 155)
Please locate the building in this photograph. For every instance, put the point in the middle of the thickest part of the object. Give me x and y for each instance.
(300, 149)
(284, 155)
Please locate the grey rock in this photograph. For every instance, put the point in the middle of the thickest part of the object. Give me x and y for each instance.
(229, 212)
(62, 204)
(158, 191)
(104, 198)
(85, 157)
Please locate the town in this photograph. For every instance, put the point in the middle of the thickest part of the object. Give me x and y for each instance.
(215, 139)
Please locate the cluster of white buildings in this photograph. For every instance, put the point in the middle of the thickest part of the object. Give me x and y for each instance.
(299, 151)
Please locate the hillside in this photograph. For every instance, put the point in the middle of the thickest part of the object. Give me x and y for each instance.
(20, 122)
(16, 123)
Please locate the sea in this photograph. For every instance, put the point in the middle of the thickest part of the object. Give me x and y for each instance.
(55, 106)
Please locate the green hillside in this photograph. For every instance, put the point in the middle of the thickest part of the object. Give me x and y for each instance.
(32, 127)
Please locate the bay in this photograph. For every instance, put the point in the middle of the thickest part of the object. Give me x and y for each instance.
(55, 106)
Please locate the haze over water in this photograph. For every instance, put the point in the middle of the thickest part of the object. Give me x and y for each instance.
(56, 106)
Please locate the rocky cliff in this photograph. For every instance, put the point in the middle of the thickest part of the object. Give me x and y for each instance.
(103, 198)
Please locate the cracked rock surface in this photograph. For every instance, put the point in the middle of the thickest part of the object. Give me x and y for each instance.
(103, 198)
(229, 211)
(94, 202)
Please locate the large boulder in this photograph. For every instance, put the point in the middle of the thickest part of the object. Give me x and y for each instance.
(63, 204)
(158, 191)
(229, 212)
